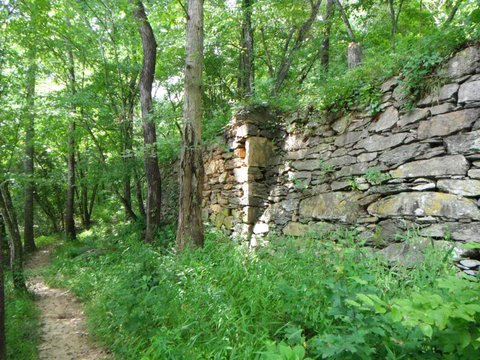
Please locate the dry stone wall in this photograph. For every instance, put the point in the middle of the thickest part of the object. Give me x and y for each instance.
(294, 174)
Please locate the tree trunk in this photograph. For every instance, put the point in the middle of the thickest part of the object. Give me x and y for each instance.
(15, 242)
(325, 51)
(247, 73)
(152, 170)
(354, 57)
(139, 195)
(70, 230)
(190, 224)
(301, 36)
(3, 348)
(28, 235)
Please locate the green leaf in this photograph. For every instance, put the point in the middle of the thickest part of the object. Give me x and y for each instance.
(426, 330)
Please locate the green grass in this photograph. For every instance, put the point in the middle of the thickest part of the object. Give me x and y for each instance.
(22, 324)
(330, 298)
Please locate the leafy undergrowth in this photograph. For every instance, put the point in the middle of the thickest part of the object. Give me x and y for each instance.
(290, 300)
(21, 323)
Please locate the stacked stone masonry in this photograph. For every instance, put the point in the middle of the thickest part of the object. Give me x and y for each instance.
(296, 173)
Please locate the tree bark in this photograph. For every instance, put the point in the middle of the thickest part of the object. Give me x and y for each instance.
(152, 170)
(190, 224)
(354, 56)
(3, 347)
(300, 38)
(325, 51)
(15, 242)
(28, 234)
(247, 71)
(452, 14)
(70, 230)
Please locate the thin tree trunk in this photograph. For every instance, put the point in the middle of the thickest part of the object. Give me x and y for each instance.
(3, 347)
(452, 14)
(325, 51)
(152, 170)
(247, 73)
(190, 224)
(70, 230)
(301, 36)
(28, 234)
(139, 195)
(15, 242)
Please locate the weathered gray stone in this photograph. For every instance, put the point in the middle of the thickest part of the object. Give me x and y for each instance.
(413, 116)
(447, 124)
(469, 92)
(366, 157)
(339, 206)
(340, 125)
(474, 173)
(402, 154)
(470, 263)
(456, 231)
(350, 138)
(342, 160)
(464, 63)
(386, 120)
(442, 108)
(388, 189)
(425, 204)
(447, 92)
(389, 85)
(355, 169)
(260, 228)
(308, 165)
(340, 185)
(403, 253)
(259, 151)
(468, 143)
(460, 187)
(439, 166)
(380, 143)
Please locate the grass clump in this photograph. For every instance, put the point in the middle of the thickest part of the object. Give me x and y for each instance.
(329, 298)
(21, 323)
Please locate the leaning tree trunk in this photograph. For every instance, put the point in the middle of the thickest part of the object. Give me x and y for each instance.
(70, 230)
(3, 348)
(190, 225)
(247, 73)
(28, 235)
(152, 170)
(15, 242)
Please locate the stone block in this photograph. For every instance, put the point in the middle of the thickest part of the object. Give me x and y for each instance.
(381, 143)
(339, 206)
(469, 92)
(386, 120)
(467, 143)
(446, 124)
(469, 232)
(438, 166)
(259, 151)
(464, 63)
(422, 204)
(413, 117)
(460, 187)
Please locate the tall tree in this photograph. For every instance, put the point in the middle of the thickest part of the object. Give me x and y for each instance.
(3, 347)
(70, 230)
(28, 234)
(190, 225)
(14, 241)
(291, 51)
(394, 16)
(247, 71)
(152, 170)
(325, 50)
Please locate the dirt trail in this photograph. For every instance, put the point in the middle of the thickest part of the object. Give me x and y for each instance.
(63, 333)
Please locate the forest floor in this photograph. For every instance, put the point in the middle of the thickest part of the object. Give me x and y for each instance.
(63, 335)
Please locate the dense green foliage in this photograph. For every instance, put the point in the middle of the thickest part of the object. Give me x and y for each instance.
(331, 298)
(22, 326)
